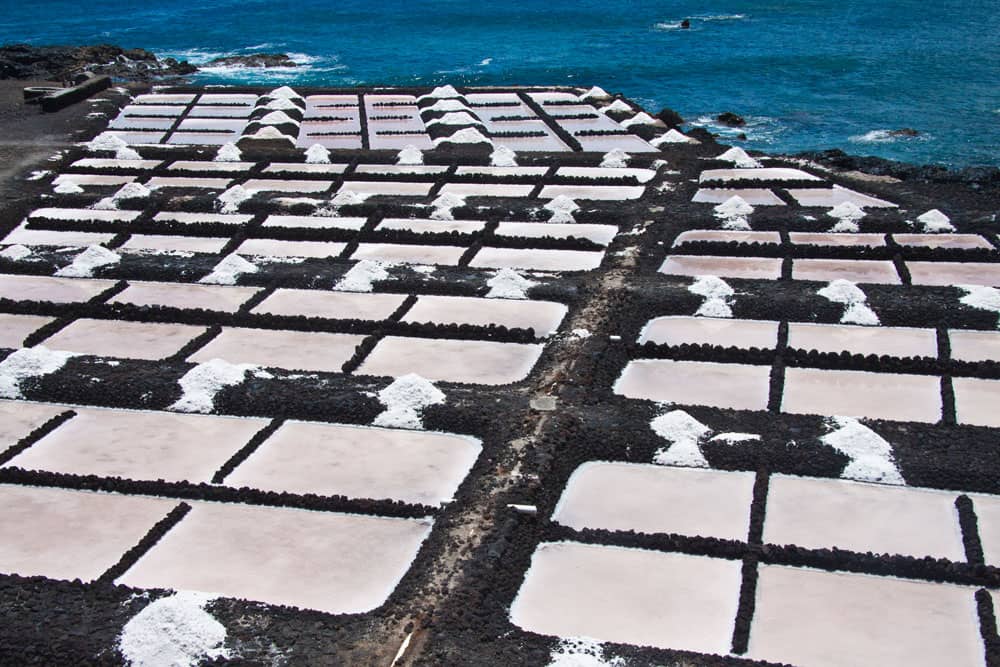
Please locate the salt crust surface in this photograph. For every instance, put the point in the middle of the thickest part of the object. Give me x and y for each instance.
(983, 298)
(508, 284)
(717, 293)
(849, 294)
(200, 384)
(683, 431)
(404, 399)
(228, 271)
(174, 631)
(871, 456)
(29, 363)
(581, 652)
(86, 262)
(361, 276)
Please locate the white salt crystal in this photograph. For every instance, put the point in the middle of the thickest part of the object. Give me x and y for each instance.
(174, 631)
(404, 399)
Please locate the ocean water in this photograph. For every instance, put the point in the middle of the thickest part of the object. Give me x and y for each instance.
(807, 74)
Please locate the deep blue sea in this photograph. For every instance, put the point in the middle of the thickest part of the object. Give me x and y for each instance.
(807, 74)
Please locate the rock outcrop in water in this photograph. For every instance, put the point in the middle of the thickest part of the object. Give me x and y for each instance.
(63, 63)
(254, 60)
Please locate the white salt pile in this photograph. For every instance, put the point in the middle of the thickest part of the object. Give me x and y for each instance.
(228, 152)
(447, 105)
(200, 384)
(734, 213)
(455, 118)
(126, 153)
(444, 204)
(362, 276)
(440, 93)
(106, 141)
(277, 118)
(467, 135)
(735, 438)
(268, 133)
(127, 191)
(848, 214)
(86, 262)
(15, 252)
(174, 631)
(37, 175)
(67, 187)
(404, 399)
(282, 104)
(410, 155)
(228, 271)
(849, 294)
(683, 432)
(29, 363)
(284, 93)
(595, 93)
(230, 200)
(935, 222)
(348, 198)
(717, 293)
(739, 158)
(581, 652)
(562, 209)
(508, 284)
(502, 156)
(981, 297)
(673, 136)
(871, 458)
(616, 158)
(641, 118)
(317, 154)
(617, 105)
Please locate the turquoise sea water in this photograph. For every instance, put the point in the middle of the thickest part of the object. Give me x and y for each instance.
(807, 74)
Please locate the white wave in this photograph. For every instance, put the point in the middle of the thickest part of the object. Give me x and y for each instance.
(884, 137)
(675, 25)
(720, 17)
(485, 61)
(759, 129)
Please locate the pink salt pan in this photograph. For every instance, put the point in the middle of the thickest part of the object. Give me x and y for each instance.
(291, 350)
(399, 253)
(326, 561)
(15, 328)
(468, 361)
(974, 345)
(629, 596)
(330, 305)
(735, 386)
(752, 196)
(117, 338)
(64, 534)
(168, 243)
(542, 316)
(278, 248)
(537, 260)
(811, 512)
(618, 496)
(963, 241)
(954, 273)
(832, 619)
(855, 270)
(57, 290)
(19, 418)
(836, 338)
(140, 445)
(359, 462)
(683, 330)
(894, 396)
(185, 296)
(976, 401)
(837, 239)
(721, 236)
(760, 268)
(593, 192)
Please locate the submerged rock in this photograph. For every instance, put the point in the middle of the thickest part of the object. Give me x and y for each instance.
(731, 119)
(254, 60)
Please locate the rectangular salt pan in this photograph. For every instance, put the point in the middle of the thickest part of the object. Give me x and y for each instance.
(759, 268)
(137, 138)
(84, 214)
(963, 241)
(542, 316)
(399, 169)
(862, 394)
(837, 338)
(165, 98)
(333, 143)
(359, 462)
(548, 143)
(203, 218)
(276, 248)
(211, 167)
(976, 401)
(56, 290)
(754, 197)
(682, 330)
(501, 171)
(629, 143)
(224, 124)
(641, 175)
(168, 111)
(140, 445)
(593, 192)
(327, 561)
(69, 535)
(175, 244)
(619, 496)
(15, 328)
(20, 418)
(303, 168)
(130, 340)
(974, 345)
(158, 182)
(92, 179)
(209, 111)
(291, 350)
(330, 305)
(425, 226)
(409, 254)
(838, 195)
(537, 260)
(134, 123)
(854, 270)
(185, 296)
(276, 185)
(487, 190)
(734, 386)
(600, 234)
(954, 273)
(110, 163)
(467, 361)
(314, 222)
(721, 236)
(400, 141)
(391, 188)
(45, 237)
(764, 174)
(837, 239)
(630, 596)
(202, 138)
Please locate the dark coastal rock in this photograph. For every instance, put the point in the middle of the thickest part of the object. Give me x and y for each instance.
(731, 119)
(904, 132)
(67, 63)
(932, 173)
(670, 117)
(255, 60)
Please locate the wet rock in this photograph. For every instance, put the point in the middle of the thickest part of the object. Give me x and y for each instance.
(255, 60)
(670, 117)
(67, 63)
(731, 119)
(904, 132)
